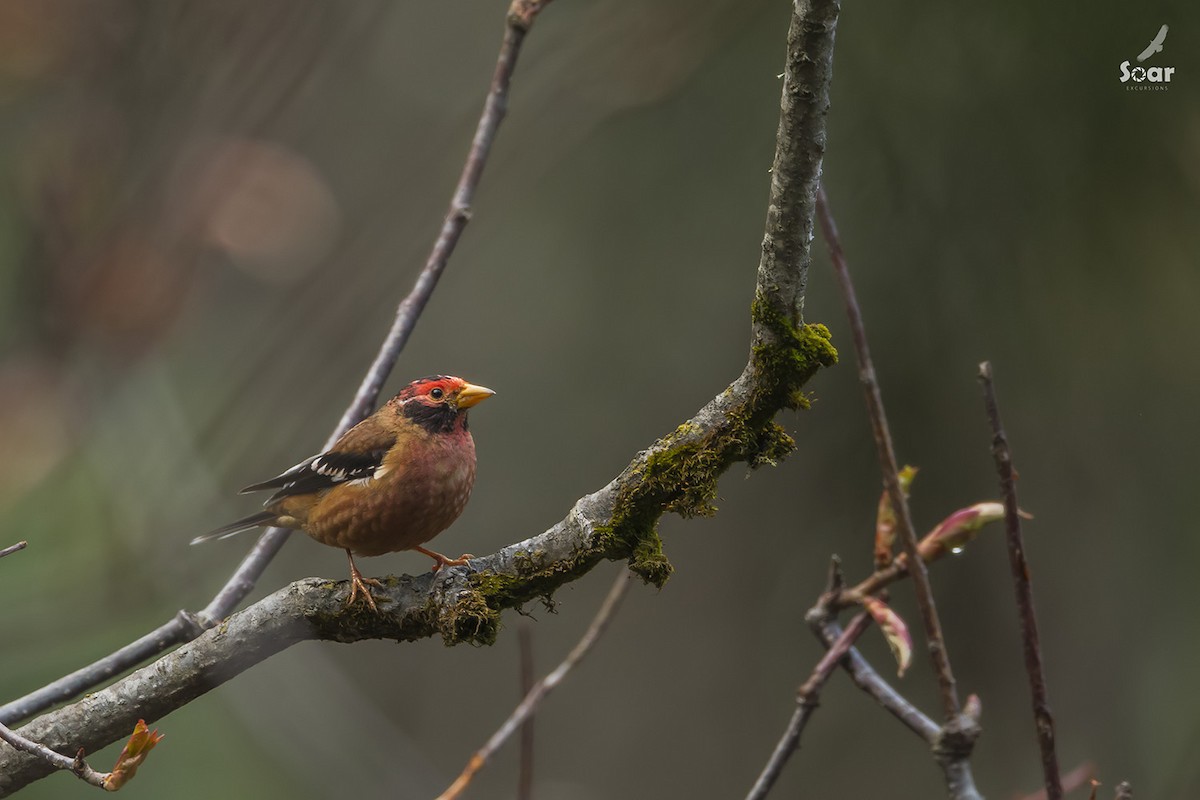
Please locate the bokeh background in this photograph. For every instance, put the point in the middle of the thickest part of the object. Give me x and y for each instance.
(209, 211)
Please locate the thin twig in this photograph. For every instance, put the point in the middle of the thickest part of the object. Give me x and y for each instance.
(74, 765)
(525, 770)
(806, 703)
(960, 784)
(241, 582)
(13, 548)
(1023, 585)
(866, 678)
(520, 17)
(534, 697)
(887, 462)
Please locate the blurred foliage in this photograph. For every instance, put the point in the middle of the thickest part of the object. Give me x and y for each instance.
(210, 210)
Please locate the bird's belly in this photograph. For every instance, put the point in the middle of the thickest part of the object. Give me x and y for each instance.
(370, 522)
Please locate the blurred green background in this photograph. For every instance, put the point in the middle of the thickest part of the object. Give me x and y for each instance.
(210, 210)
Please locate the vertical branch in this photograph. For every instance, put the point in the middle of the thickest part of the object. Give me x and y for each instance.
(887, 462)
(1023, 585)
(796, 169)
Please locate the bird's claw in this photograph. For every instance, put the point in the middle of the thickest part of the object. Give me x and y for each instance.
(444, 561)
(359, 584)
(461, 561)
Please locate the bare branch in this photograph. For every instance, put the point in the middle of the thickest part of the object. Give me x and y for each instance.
(520, 18)
(866, 678)
(1023, 586)
(887, 462)
(527, 707)
(806, 703)
(185, 627)
(57, 761)
(181, 628)
(13, 548)
(946, 742)
(796, 170)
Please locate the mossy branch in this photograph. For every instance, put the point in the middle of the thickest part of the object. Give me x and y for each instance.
(462, 604)
(678, 473)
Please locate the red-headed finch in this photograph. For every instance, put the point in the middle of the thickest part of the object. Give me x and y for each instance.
(392, 482)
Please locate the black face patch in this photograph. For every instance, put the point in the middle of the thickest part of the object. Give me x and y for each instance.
(436, 418)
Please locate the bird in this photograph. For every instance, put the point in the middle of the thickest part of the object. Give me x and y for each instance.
(392, 482)
(1156, 44)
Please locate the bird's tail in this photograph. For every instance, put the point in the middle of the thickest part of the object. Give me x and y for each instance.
(243, 524)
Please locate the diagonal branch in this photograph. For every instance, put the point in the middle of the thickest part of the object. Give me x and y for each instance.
(806, 704)
(866, 678)
(13, 548)
(678, 473)
(185, 626)
(946, 741)
(533, 698)
(525, 759)
(887, 461)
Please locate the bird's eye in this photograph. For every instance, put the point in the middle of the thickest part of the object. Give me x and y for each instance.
(437, 394)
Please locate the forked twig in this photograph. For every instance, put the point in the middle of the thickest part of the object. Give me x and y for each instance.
(186, 626)
(1023, 585)
(74, 765)
(529, 705)
(866, 678)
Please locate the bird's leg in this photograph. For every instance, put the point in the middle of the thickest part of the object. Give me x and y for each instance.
(443, 561)
(360, 584)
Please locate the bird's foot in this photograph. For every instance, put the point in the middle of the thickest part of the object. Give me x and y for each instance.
(359, 584)
(445, 561)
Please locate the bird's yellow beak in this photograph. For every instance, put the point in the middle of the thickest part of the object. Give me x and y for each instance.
(471, 395)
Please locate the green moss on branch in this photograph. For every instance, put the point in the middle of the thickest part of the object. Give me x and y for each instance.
(678, 474)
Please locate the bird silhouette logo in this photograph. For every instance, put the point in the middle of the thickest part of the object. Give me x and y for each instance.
(1156, 44)
(1148, 78)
